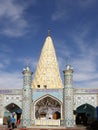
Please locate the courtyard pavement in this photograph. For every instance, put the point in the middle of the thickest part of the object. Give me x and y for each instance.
(44, 128)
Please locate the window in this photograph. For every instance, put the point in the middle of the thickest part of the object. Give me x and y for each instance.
(38, 86)
(45, 86)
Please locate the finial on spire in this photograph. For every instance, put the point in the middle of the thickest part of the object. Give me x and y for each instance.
(48, 32)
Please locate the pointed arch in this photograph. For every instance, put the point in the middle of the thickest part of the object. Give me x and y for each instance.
(14, 102)
(48, 107)
(9, 109)
(86, 108)
(12, 107)
(85, 113)
(47, 95)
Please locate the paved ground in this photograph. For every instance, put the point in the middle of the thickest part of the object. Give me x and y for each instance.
(51, 129)
(44, 128)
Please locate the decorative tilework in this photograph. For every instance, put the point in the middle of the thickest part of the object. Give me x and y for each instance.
(68, 98)
(27, 94)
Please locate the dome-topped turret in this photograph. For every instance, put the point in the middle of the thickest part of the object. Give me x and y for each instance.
(26, 70)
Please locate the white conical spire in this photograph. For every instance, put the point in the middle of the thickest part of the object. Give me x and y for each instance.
(47, 74)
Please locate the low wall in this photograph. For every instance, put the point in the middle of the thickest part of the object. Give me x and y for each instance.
(47, 122)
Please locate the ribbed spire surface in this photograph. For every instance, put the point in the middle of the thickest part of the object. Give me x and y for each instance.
(47, 73)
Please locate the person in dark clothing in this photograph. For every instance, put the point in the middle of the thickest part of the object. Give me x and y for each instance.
(9, 122)
(13, 122)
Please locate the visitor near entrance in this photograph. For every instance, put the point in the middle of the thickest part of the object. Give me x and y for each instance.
(13, 122)
(9, 121)
(18, 122)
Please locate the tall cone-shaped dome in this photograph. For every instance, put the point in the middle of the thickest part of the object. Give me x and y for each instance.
(47, 74)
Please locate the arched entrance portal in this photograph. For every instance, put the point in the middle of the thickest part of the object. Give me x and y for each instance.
(48, 109)
(9, 110)
(85, 114)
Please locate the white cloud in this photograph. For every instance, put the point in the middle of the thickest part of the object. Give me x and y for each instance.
(14, 79)
(2, 66)
(85, 67)
(84, 64)
(85, 77)
(12, 20)
(4, 62)
(32, 62)
(64, 9)
(11, 80)
(59, 14)
(10, 9)
(60, 11)
(86, 84)
(83, 59)
(4, 49)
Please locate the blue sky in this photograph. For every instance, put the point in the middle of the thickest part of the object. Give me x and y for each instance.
(74, 30)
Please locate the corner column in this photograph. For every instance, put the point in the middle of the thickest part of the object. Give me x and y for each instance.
(68, 97)
(27, 97)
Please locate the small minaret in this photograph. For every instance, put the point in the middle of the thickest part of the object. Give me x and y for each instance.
(27, 97)
(68, 97)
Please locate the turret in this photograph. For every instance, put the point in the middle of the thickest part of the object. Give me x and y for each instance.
(27, 97)
(68, 97)
(68, 76)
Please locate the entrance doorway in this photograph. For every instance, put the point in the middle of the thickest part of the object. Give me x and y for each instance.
(47, 108)
(9, 110)
(85, 114)
(81, 118)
